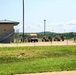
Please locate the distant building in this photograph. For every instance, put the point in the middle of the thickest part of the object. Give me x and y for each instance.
(7, 31)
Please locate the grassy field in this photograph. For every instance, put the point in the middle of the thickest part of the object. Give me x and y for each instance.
(16, 60)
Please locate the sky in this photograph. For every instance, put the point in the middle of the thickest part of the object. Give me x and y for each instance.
(60, 15)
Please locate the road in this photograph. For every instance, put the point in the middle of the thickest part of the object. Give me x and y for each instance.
(39, 43)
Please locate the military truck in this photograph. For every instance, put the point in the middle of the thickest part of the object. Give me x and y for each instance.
(32, 38)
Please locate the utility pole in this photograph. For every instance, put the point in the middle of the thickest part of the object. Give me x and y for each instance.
(23, 20)
(44, 26)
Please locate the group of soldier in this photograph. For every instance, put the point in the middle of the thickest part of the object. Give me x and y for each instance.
(49, 38)
(56, 38)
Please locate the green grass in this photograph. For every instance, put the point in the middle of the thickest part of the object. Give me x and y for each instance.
(14, 60)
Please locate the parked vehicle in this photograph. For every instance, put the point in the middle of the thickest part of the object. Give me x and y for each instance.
(32, 38)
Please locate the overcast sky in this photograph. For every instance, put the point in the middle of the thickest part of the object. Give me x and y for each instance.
(60, 15)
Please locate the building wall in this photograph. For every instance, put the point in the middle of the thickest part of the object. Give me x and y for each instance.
(10, 39)
(5, 27)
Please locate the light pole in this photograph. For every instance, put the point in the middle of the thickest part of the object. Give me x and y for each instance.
(44, 26)
(23, 20)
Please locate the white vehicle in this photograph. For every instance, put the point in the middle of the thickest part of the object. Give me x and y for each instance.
(32, 38)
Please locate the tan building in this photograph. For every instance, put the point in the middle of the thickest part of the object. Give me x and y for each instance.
(7, 31)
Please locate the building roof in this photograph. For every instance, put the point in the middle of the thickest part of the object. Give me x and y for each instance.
(8, 22)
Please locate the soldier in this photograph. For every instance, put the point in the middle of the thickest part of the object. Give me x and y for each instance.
(21, 38)
(50, 38)
(74, 39)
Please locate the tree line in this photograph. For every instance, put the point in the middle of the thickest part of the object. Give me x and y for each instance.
(68, 35)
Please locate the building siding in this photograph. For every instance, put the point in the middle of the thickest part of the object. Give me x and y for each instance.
(4, 28)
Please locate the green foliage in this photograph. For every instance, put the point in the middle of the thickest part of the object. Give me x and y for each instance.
(14, 60)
